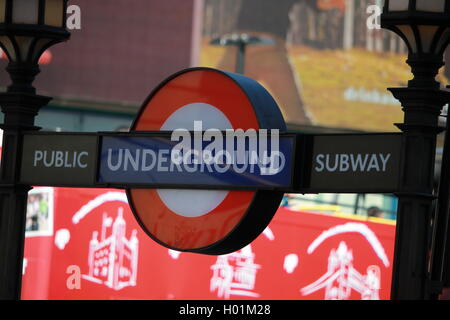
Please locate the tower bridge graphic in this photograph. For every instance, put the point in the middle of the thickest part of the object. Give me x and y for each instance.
(113, 259)
(341, 277)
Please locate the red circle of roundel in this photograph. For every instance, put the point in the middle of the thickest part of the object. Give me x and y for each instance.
(242, 215)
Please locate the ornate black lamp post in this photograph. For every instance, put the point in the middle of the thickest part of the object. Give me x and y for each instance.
(241, 41)
(27, 29)
(425, 27)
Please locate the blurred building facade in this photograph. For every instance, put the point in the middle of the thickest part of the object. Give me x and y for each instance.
(124, 48)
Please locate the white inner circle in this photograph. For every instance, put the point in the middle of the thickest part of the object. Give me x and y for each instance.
(194, 203)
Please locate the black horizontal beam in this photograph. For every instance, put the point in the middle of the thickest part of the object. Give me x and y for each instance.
(313, 163)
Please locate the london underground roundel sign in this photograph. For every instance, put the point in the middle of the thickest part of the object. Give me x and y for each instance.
(206, 221)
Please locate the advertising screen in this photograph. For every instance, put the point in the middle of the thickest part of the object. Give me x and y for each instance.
(327, 62)
(86, 244)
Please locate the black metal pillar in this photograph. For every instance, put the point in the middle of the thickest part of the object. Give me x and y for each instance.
(240, 59)
(440, 239)
(422, 102)
(441, 261)
(20, 105)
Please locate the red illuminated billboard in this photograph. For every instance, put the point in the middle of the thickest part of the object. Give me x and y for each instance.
(86, 244)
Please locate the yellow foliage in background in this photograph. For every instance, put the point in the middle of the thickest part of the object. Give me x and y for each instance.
(325, 75)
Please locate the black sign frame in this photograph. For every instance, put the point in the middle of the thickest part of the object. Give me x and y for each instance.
(309, 143)
(37, 180)
(301, 157)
